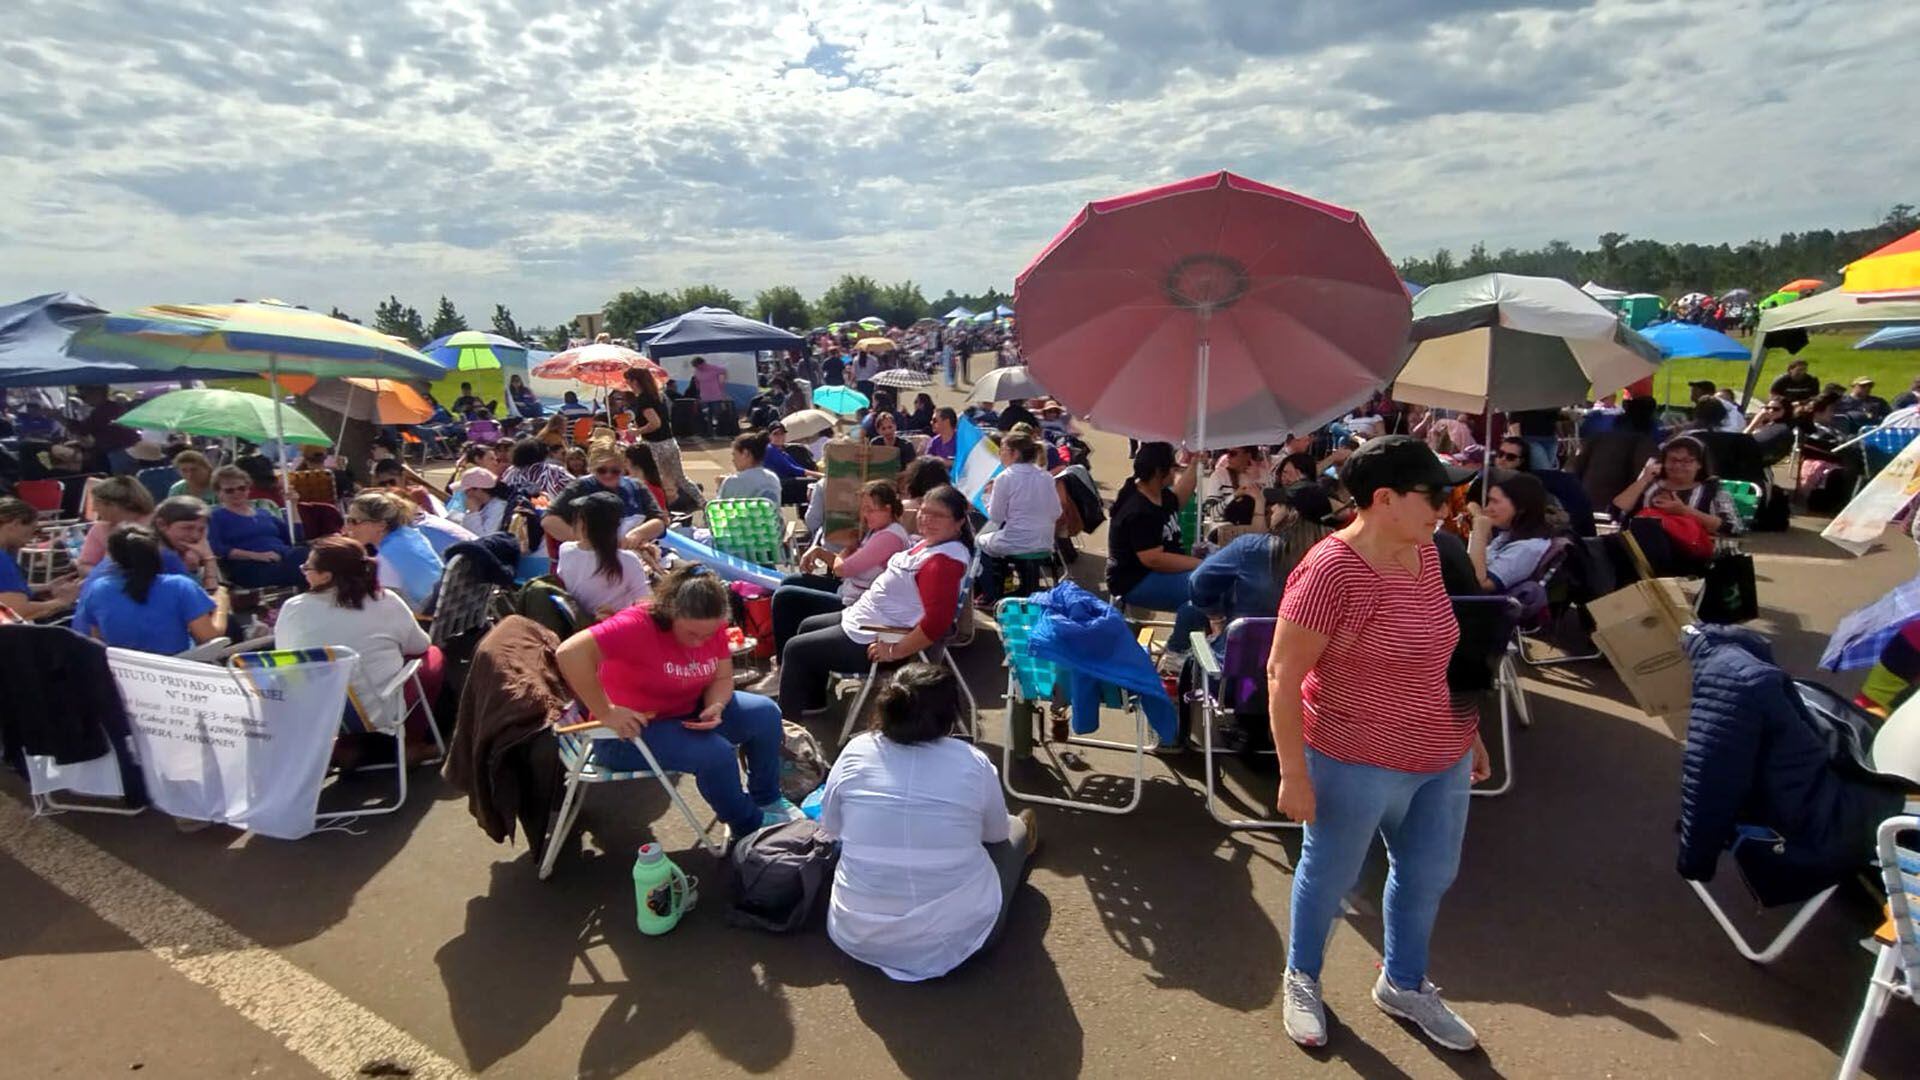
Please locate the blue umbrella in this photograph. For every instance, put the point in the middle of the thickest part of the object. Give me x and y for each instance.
(1891, 337)
(1858, 640)
(1685, 340)
(475, 350)
(711, 329)
(840, 399)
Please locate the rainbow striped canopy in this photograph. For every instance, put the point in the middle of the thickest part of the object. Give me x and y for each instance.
(1892, 271)
(249, 338)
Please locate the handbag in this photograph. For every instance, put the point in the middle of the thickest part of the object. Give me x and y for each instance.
(1729, 593)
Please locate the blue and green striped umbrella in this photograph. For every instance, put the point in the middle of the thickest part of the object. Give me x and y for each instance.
(475, 350)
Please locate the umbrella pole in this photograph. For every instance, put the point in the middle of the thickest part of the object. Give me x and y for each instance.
(1205, 358)
(280, 445)
(342, 437)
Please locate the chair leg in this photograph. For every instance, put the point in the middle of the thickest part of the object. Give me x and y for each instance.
(399, 768)
(1073, 802)
(702, 833)
(426, 707)
(1780, 942)
(860, 701)
(1506, 746)
(1207, 714)
(1879, 990)
(1510, 675)
(562, 821)
(970, 723)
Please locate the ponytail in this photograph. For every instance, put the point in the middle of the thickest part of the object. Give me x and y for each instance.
(135, 549)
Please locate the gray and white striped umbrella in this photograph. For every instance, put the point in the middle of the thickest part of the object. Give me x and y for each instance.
(903, 378)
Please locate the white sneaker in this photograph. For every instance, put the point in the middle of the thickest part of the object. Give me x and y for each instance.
(1304, 1017)
(1424, 1009)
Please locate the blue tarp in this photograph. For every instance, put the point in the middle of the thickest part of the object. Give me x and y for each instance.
(1685, 340)
(717, 330)
(1891, 337)
(33, 347)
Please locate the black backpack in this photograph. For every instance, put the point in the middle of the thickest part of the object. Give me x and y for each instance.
(779, 873)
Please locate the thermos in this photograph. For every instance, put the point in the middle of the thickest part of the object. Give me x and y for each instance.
(661, 891)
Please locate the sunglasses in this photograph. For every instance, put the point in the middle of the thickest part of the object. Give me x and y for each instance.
(1433, 495)
(1505, 456)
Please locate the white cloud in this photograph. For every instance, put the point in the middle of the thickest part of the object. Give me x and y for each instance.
(545, 153)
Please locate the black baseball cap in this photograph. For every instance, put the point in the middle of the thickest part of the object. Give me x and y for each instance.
(1396, 462)
(1307, 498)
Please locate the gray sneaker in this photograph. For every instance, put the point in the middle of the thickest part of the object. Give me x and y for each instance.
(1305, 1017)
(1424, 1008)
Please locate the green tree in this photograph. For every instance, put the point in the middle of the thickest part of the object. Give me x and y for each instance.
(901, 304)
(704, 295)
(504, 325)
(445, 321)
(553, 339)
(636, 308)
(782, 306)
(395, 319)
(854, 296)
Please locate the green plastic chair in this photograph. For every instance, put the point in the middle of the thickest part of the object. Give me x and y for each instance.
(747, 529)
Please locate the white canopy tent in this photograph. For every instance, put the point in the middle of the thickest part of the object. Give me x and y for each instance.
(1824, 311)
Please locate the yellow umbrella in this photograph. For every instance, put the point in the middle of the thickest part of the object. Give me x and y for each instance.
(875, 344)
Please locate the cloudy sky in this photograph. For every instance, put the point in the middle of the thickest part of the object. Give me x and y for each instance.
(546, 153)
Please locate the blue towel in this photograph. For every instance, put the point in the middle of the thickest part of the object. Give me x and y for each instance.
(1088, 640)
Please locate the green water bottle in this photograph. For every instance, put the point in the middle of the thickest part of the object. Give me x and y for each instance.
(661, 891)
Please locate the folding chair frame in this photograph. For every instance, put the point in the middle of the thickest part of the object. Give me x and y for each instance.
(1073, 801)
(1894, 969)
(1771, 951)
(582, 773)
(1202, 653)
(409, 675)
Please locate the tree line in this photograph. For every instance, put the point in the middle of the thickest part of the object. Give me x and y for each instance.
(1671, 270)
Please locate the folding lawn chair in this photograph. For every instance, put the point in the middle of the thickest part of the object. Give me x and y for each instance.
(748, 529)
(940, 652)
(1033, 680)
(1230, 685)
(1896, 968)
(1505, 647)
(576, 758)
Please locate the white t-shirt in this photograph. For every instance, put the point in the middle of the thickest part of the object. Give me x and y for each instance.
(580, 569)
(915, 892)
(490, 518)
(1022, 510)
(755, 483)
(383, 631)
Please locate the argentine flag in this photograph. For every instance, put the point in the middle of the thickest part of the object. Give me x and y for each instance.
(976, 460)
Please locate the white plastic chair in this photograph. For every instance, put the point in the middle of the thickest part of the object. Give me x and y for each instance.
(576, 758)
(1897, 966)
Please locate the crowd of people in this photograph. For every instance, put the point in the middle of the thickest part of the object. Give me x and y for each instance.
(1359, 535)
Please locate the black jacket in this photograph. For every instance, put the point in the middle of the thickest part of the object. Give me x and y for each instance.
(1767, 752)
(63, 703)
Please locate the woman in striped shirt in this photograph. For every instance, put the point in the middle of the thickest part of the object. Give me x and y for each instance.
(1368, 739)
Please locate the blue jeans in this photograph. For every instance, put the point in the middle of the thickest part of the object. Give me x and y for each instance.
(1422, 816)
(1543, 451)
(1160, 591)
(750, 723)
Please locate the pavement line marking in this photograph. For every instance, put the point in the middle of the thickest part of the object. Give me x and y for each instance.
(335, 1035)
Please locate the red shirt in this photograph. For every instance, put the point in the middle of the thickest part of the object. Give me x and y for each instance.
(1378, 694)
(644, 668)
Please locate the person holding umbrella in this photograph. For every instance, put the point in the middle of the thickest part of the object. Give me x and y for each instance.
(1361, 754)
(1147, 562)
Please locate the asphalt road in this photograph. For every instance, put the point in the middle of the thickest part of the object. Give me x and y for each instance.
(1146, 945)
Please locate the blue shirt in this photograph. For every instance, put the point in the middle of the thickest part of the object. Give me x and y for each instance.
(170, 563)
(409, 566)
(11, 579)
(1237, 581)
(782, 463)
(260, 531)
(104, 610)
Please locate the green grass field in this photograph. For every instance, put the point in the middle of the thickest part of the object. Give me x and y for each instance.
(1829, 357)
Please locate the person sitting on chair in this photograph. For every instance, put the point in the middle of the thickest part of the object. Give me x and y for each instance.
(919, 589)
(1147, 562)
(661, 672)
(486, 502)
(181, 521)
(1510, 534)
(644, 519)
(600, 575)
(929, 857)
(1022, 509)
(196, 476)
(250, 541)
(133, 603)
(1677, 484)
(345, 605)
(828, 582)
(1567, 505)
(886, 432)
(383, 522)
(751, 478)
(19, 521)
(1245, 578)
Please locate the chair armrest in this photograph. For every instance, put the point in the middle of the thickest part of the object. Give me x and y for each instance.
(1202, 652)
(1512, 602)
(399, 680)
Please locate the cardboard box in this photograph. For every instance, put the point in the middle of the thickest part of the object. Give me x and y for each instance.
(848, 465)
(1638, 628)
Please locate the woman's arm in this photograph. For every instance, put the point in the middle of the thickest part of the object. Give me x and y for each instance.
(1295, 650)
(1482, 536)
(579, 661)
(1187, 479)
(1166, 562)
(205, 628)
(714, 700)
(648, 421)
(59, 597)
(939, 584)
(871, 554)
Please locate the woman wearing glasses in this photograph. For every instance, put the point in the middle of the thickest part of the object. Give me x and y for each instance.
(383, 521)
(641, 518)
(1367, 736)
(251, 542)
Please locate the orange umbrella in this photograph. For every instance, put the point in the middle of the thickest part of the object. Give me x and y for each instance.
(1802, 285)
(377, 401)
(1892, 271)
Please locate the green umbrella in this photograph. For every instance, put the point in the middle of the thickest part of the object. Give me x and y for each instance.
(475, 350)
(223, 414)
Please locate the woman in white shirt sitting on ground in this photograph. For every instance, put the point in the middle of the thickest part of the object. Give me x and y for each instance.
(929, 856)
(1022, 510)
(603, 577)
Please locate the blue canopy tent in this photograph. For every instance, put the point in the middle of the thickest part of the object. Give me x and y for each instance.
(711, 329)
(1684, 340)
(33, 347)
(1891, 337)
(1412, 289)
